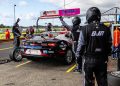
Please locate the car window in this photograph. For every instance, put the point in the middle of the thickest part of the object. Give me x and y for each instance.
(46, 35)
(62, 37)
(36, 38)
(55, 33)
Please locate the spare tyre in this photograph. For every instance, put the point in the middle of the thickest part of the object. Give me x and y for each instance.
(114, 78)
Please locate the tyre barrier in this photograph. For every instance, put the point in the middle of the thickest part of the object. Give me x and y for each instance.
(114, 78)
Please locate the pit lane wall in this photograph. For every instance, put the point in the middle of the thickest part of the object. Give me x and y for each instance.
(3, 37)
(3, 33)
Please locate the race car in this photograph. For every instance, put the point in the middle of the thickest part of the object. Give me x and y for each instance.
(54, 44)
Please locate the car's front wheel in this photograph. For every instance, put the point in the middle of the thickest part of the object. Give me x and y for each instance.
(68, 58)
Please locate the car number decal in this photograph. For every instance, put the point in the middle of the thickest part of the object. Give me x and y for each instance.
(34, 52)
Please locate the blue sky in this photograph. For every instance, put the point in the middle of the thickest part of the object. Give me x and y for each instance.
(29, 10)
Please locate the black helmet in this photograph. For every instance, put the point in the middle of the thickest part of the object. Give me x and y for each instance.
(18, 19)
(49, 25)
(93, 14)
(76, 20)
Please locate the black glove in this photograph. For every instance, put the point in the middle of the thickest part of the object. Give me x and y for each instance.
(61, 18)
(115, 51)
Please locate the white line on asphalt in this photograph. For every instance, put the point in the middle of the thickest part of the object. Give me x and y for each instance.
(6, 48)
(22, 64)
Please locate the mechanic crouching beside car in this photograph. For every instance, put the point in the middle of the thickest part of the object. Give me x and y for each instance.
(94, 45)
(75, 30)
(49, 27)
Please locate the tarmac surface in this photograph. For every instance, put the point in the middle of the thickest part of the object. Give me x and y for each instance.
(42, 72)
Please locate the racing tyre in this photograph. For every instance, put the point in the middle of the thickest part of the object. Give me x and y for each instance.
(15, 55)
(114, 78)
(68, 59)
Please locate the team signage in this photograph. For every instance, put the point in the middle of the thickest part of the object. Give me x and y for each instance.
(49, 14)
(64, 12)
(69, 12)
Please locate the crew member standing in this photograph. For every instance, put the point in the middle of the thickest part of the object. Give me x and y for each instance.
(27, 34)
(75, 30)
(7, 34)
(31, 30)
(116, 45)
(49, 27)
(116, 41)
(94, 45)
(16, 33)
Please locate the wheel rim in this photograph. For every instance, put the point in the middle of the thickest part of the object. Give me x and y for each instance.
(69, 56)
(18, 55)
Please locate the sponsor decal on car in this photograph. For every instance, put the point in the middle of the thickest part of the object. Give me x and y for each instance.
(47, 51)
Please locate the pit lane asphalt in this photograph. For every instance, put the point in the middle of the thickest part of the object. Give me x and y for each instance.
(44, 72)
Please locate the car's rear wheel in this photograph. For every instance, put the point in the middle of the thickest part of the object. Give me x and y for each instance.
(15, 55)
(68, 59)
(114, 78)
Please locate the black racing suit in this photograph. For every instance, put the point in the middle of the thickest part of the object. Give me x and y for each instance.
(48, 28)
(94, 45)
(16, 34)
(75, 30)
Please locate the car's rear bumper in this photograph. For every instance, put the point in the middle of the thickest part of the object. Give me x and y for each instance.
(43, 55)
(35, 56)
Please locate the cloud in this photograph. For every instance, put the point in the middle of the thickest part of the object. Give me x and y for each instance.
(6, 18)
(103, 5)
(5, 15)
(3, 1)
(23, 3)
(26, 19)
(28, 16)
(84, 5)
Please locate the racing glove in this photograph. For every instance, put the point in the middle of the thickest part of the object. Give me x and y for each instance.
(61, 18)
